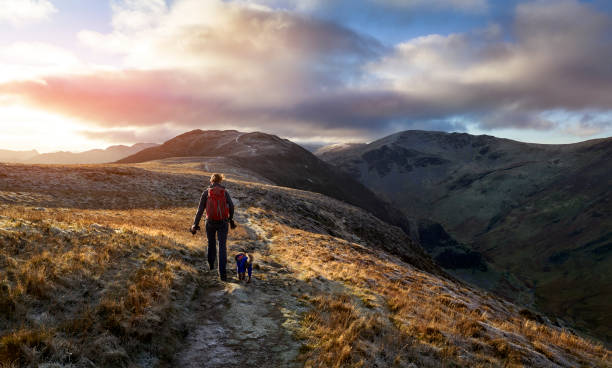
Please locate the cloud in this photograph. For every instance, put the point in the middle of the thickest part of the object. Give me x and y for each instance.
(20, 60)
(318, 5)
(116, 99)
(515, 118)
(281, 53)
(202, 63)
(137, 14)
(382, 17)
(134, 134)
(589, 124)
(19, 12)
(253, 66)
(466, 5)
(558, 59)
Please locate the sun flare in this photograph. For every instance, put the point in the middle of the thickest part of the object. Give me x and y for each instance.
(25, 128)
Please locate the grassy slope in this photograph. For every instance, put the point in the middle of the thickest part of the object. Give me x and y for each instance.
(94, 269)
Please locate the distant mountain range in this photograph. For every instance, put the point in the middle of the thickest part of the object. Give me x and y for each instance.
(95, 156)
(530, 221)
(17, 156)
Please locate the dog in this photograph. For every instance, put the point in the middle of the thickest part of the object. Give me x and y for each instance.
(244, 263)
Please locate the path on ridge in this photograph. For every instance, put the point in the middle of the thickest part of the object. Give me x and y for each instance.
(247, 325)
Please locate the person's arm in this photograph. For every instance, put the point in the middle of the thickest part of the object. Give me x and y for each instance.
(230, 204)
(201, 208)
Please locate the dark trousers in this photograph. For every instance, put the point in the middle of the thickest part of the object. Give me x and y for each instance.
(220, 229)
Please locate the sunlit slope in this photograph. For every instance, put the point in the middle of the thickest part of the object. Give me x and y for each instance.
(97, 268)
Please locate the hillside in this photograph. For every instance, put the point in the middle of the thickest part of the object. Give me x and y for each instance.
(279, 161)
(97, 268)
(528, 221)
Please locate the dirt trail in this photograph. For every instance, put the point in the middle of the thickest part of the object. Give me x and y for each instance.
(246, 324)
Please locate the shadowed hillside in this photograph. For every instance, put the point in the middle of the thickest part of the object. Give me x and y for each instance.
(98, 269)
(529, 221)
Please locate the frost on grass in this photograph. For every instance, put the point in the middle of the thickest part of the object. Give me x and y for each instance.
(77, 294)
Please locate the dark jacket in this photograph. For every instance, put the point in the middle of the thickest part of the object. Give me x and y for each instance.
(202, 206)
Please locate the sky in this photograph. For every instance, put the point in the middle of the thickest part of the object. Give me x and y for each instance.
(76, 75)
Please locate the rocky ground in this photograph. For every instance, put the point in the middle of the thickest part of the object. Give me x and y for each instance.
(250, 325)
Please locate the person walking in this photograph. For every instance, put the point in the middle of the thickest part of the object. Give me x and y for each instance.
(219, 214)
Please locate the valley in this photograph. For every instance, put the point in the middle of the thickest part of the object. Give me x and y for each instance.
(530, 222)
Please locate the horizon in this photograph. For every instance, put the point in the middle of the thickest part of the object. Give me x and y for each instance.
(304, 145)
(76, 77)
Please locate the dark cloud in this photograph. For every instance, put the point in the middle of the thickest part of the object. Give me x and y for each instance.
(516, 119)
(558, 60)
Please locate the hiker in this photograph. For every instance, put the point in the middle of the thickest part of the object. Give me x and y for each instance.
(244, 261)
(219, 212)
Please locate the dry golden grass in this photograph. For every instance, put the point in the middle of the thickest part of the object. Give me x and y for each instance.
(433, 320)
(337, 333)
(93, 282)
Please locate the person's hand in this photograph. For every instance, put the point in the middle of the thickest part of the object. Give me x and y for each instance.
(232, 224)
(194, 229)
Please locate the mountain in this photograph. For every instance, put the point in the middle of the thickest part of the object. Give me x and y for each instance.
(98, 268)
(280, 161)
(16, 156)
(95, 156)
(529, 221)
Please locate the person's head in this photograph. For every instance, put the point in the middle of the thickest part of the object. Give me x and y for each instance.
(216, 178)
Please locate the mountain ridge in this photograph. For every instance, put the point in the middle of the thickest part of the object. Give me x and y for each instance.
(93, 156)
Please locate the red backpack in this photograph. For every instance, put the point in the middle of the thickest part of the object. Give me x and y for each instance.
(216, 204)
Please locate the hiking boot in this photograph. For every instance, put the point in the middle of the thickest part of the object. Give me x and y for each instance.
(223, 278)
